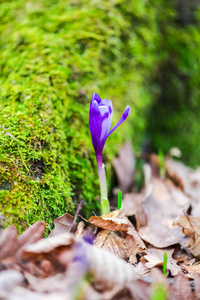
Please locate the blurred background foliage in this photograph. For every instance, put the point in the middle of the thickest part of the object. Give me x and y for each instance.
(53, 55)
(173, 119)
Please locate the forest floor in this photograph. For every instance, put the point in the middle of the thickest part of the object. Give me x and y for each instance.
(148, 249)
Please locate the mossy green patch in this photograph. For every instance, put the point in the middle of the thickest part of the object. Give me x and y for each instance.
(33, 171)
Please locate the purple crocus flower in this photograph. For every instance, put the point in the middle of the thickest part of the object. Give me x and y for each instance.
(100, 119)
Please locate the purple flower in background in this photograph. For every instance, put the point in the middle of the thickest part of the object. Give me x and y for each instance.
(100, 119)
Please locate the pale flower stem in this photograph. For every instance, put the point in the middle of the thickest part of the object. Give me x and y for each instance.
(102, 177)
(105, 207)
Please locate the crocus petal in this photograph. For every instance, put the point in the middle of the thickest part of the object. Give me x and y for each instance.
(96, 97)
(122, 119)
(95, 121)
(108, 103)
(100, 118)
(106, 120)
(94, 108)
(104, 124)
(103, 111)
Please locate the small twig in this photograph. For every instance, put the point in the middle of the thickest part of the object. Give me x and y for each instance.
(78, 209)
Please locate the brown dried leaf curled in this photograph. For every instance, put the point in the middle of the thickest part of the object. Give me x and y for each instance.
(8, 242)
(114, 221)
(109, 241)
(63, 224)
(32, 234)
(48, 245)
(134, 244)
(190, 226)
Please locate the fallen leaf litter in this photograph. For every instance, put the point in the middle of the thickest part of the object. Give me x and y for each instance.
(125, 255)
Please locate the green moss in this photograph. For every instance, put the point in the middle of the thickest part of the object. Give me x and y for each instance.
(54, 55)
(33, 164)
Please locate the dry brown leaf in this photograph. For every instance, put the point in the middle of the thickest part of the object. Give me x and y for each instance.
(131, 203)
(90, 293)
(26, 294)
(109, 241)
(127, 247)
(8, 242)
(103, 264)
(188, 180)
(181, 289)
(132, 232)
(165, 203)
(9, 279)
(132, 206)
(190, 226)
(185, 177)
(77, 258)
(159, 281)
(155, 258)
(49, 256)
(48, 245)
(32, 234)
(132, 248)
(61, 284)
(80, 229)
(197, 286)
(191, 269)
(88, 233)
(63, 224)
(141, 270)
(10, 263)
(177, 171)
(105, 292)
(140, 290)
(39, 267)
(54, 283)
(114, 221)
(182, 256)
(124, 167)
(134, 244)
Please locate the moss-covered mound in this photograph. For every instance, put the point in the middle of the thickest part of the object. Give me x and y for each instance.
(53, 56)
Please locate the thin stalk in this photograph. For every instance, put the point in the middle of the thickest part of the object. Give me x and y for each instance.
(161, 159)
(119, 202)
(165, 263)
(105, 207)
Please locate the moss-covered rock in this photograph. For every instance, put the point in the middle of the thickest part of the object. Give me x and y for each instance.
(54, 55)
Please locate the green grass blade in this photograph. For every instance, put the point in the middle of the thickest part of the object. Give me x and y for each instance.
(165, 263)
(161, 159)
(119, 202)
